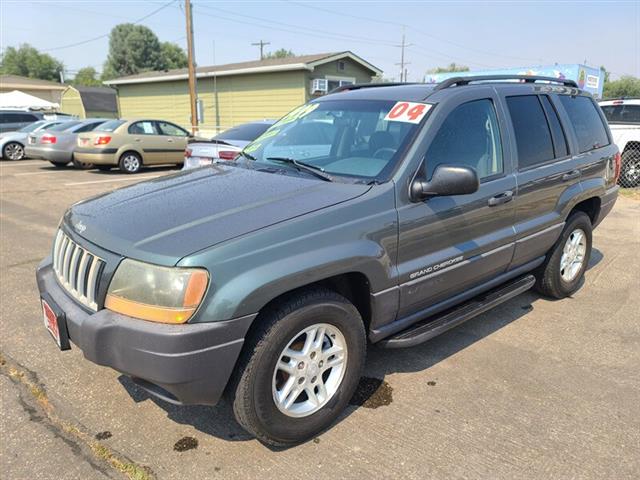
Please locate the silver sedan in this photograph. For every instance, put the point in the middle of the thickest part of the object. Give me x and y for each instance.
(56, 144)
(12, 143)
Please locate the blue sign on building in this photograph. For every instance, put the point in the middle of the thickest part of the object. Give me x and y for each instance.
(588, 78)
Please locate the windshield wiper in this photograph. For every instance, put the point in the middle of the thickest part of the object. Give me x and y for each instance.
(301, 166)
(246, 155)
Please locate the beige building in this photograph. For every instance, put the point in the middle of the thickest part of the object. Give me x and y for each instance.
(240, 92)
(44, 89)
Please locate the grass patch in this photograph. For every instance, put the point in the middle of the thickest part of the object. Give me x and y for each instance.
(632, 193)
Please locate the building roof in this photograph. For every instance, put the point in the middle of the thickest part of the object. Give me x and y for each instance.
(303, 62)
(102, 99)
(17, 82)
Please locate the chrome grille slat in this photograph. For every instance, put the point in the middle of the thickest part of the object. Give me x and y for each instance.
(77, 270)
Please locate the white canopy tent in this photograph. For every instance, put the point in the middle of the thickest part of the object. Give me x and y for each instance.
(22, 101)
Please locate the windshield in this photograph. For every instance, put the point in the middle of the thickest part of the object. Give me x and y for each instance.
(61, 127)
(246, 132)
(32, 127)
(109, 126)
(622, 113)
(351, 138)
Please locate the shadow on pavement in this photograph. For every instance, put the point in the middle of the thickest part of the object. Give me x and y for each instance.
(219, 421)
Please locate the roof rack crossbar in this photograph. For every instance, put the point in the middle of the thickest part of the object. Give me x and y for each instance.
(460, 81)
(358, 86)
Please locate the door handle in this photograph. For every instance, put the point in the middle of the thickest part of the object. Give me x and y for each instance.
(138, 139)
(571, 175)
(170, 140)
(501, 198)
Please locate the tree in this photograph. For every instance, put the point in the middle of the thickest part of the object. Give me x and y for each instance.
(87, 77)
(452, 67)
(135, 48)
(173, 56)
(26, 61)
(626, 86)
(280, 53)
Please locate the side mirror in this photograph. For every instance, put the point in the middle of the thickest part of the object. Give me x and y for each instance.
(447, 180)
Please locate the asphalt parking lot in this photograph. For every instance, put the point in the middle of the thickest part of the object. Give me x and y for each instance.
(533, 389)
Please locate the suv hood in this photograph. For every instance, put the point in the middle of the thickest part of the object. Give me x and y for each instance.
(165, 219)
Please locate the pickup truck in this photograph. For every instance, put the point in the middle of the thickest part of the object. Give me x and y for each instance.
(623, 116)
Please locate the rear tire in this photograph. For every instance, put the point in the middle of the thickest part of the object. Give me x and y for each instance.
(130, 162)
(332, 324)
(58, 164)
(561, 273)
(13, 151)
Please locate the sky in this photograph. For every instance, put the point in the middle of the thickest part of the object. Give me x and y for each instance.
(479, 34)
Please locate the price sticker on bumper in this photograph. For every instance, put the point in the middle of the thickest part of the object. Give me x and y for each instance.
(410, 112)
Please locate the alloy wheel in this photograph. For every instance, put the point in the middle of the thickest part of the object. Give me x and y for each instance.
(573, 255)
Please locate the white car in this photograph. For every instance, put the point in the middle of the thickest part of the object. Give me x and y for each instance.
(224, 146)
(623, 116)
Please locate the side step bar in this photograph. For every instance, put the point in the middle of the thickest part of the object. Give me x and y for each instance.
(434, 326)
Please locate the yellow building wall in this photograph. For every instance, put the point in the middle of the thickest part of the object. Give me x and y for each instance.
(71, 103)
(237, 99)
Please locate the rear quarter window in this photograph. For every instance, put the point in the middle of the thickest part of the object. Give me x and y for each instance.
(586, 122)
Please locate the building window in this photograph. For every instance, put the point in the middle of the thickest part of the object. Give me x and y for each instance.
(341, 66)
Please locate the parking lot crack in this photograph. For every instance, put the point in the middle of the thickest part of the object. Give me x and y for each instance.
(33, 398)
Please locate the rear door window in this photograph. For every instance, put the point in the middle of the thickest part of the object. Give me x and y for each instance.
(89, 127)
(145, 127)
(586, 122)
(533, 137)
(559, 139)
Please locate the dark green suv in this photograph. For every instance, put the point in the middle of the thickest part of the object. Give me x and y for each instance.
(378, 213)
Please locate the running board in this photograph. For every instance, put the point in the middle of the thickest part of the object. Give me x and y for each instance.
(434, 326)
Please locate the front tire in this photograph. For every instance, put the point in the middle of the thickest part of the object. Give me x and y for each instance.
(561, 273)
(130, 162)
(13, 151)
(299, 368)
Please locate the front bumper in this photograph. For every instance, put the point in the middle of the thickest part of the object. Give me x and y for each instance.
(182, 364)
(58, 156)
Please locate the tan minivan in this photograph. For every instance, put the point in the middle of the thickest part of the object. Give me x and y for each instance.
(129, 144)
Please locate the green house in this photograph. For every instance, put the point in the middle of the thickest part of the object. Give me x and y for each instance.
(90, 102)
(240, 92)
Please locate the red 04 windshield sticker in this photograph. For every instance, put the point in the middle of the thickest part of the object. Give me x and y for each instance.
(410, 112)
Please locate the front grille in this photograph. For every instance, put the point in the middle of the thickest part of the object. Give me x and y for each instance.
(77, 269)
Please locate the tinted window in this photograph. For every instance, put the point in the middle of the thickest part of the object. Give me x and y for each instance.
(33, 126)
(469, 136)
(110, 126)
(171, 129)
(559, 139)
(246, 132)
(533, 137)
(622, 113)
(61, 127)
(145, 127)
(586, 122)
(17, 117)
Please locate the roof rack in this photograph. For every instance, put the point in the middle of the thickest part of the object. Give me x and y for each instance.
(358, 86)
(460, 81)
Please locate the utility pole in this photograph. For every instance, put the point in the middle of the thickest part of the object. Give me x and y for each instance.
(402, 64)
(192, 68)
(261, 44)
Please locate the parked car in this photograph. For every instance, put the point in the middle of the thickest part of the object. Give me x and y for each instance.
(12, 143)
(13, 120)
(224, 146)
(56, 144)
(623, 116)
(129, 144)
(265, 277)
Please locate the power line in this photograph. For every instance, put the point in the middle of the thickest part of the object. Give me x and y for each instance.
(106, 35)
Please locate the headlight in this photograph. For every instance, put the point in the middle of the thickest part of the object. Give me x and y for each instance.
(158, 294)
